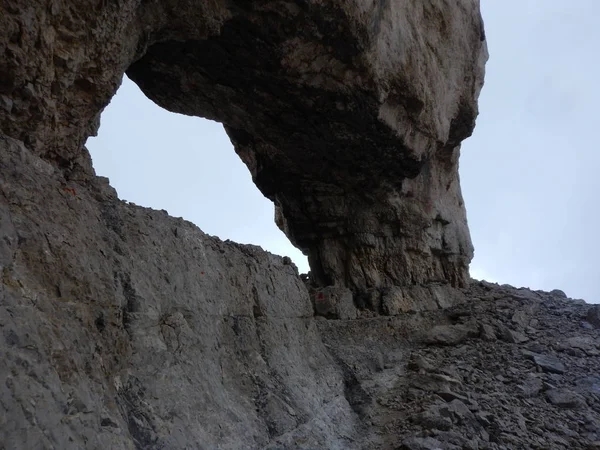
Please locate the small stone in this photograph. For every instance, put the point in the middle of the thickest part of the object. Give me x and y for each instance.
(447, 335)
(535, 347)
(591, 425)
(419, 362)
(29, 91)
(586, 325)
(558, 293)
(590, 385)
(579, 346)
(483, 418)
(487, 332)
(108, 422)
(593, 316)
(573, 352)
(548, 363)
(434, 382)
(520, 318)
(564, 398)
(582, 342)
(379, 362)
(432, 420)
(459, 440)
(460, 410)
(531, 387)
(511, 336)
(6, 103)
(450, 396)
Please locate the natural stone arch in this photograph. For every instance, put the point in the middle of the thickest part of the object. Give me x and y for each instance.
(349, 116)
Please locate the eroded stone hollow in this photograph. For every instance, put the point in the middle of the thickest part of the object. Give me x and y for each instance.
(348, 114)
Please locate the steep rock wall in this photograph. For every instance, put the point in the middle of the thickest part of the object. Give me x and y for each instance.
(125, 328)
(348, 115)
(121, 327)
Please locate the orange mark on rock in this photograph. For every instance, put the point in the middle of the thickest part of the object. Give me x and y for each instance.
(70, 190)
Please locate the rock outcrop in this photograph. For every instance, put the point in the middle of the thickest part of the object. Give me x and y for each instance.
(349, 115)
(124, 328)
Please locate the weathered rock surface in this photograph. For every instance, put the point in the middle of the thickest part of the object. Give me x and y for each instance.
(348, 114)
(124, 328)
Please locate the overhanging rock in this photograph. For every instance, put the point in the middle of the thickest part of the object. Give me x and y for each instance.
(348, 114)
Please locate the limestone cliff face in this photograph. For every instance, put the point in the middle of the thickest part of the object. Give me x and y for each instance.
(349, 115)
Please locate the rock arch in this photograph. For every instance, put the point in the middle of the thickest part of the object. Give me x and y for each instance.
(348, 114)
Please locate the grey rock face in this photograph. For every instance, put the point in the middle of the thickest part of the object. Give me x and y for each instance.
(593, 316)
(531, 387)
(548, 363)
(204, 341)
(334, 303)
(124, 328)
(349, 115)
(216, 343)
(564, 398)
(448, 334)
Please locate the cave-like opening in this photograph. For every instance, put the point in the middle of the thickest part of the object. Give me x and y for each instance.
(187, 166)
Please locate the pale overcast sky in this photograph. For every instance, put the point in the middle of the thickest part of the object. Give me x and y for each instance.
(529, 173)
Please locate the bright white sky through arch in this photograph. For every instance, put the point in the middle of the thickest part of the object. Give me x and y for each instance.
(187, 166)
(530, 173)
